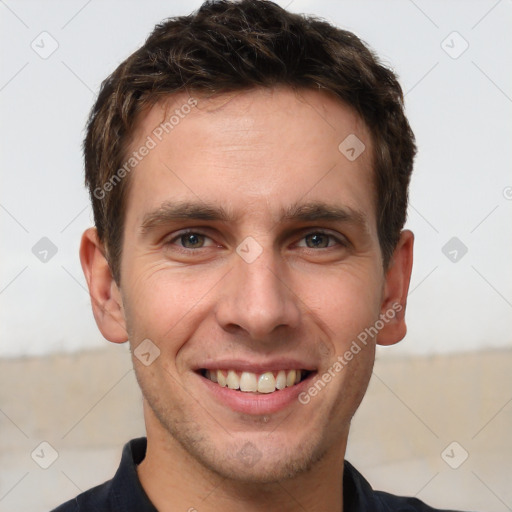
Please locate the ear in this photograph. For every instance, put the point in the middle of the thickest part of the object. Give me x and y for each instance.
(107, 305)
(396, 287)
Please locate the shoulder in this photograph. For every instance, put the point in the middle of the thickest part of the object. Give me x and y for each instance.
(123, 492)
(93, 499)
(359, 496)
(404, 504)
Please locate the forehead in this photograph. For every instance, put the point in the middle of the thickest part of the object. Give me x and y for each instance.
(265, 148)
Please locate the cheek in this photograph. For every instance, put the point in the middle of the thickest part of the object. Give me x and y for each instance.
(162, 301)
(345, 302)
(354, 380)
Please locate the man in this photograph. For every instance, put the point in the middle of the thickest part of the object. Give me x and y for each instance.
(248, 171)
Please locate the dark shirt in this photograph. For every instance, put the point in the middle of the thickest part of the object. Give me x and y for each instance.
(124, 493)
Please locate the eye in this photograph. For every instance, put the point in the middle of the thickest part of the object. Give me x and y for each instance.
(189, 240)
(320, 240)
(192, 240)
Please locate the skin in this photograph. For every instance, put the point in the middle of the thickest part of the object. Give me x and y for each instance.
(254, 153)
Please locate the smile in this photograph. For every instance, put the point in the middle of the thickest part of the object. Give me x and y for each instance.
(248, 382)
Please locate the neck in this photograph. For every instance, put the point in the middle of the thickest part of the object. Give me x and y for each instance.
(174, 480)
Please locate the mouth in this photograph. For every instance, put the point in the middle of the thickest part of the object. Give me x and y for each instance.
(256, 383)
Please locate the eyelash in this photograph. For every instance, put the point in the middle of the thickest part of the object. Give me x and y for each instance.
(340, 242)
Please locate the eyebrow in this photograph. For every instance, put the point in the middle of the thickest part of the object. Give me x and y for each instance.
(171, 211)
(325, 212)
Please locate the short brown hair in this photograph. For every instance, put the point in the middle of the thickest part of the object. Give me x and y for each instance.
(227, 46)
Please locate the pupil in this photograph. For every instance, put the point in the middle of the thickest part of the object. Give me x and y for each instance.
(318, 240)
(190, 240)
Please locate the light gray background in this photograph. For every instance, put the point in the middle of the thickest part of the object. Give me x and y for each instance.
(460, 110)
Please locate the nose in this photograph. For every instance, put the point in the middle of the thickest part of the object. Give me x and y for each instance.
(257, 299)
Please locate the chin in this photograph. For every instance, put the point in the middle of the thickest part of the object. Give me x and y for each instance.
(246, 457)
(259, 464)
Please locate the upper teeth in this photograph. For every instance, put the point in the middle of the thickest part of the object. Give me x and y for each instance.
(247, 381)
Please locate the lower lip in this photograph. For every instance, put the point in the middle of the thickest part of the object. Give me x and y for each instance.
(257, 403)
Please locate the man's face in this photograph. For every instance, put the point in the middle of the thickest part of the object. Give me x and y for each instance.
(250, 245)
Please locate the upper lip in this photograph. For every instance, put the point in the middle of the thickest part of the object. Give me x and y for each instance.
(257, 367)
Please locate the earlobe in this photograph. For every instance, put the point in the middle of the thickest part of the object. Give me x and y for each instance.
(105, 295)
(395, 292)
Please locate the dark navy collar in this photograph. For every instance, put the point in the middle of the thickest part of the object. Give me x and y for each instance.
(124, 493)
